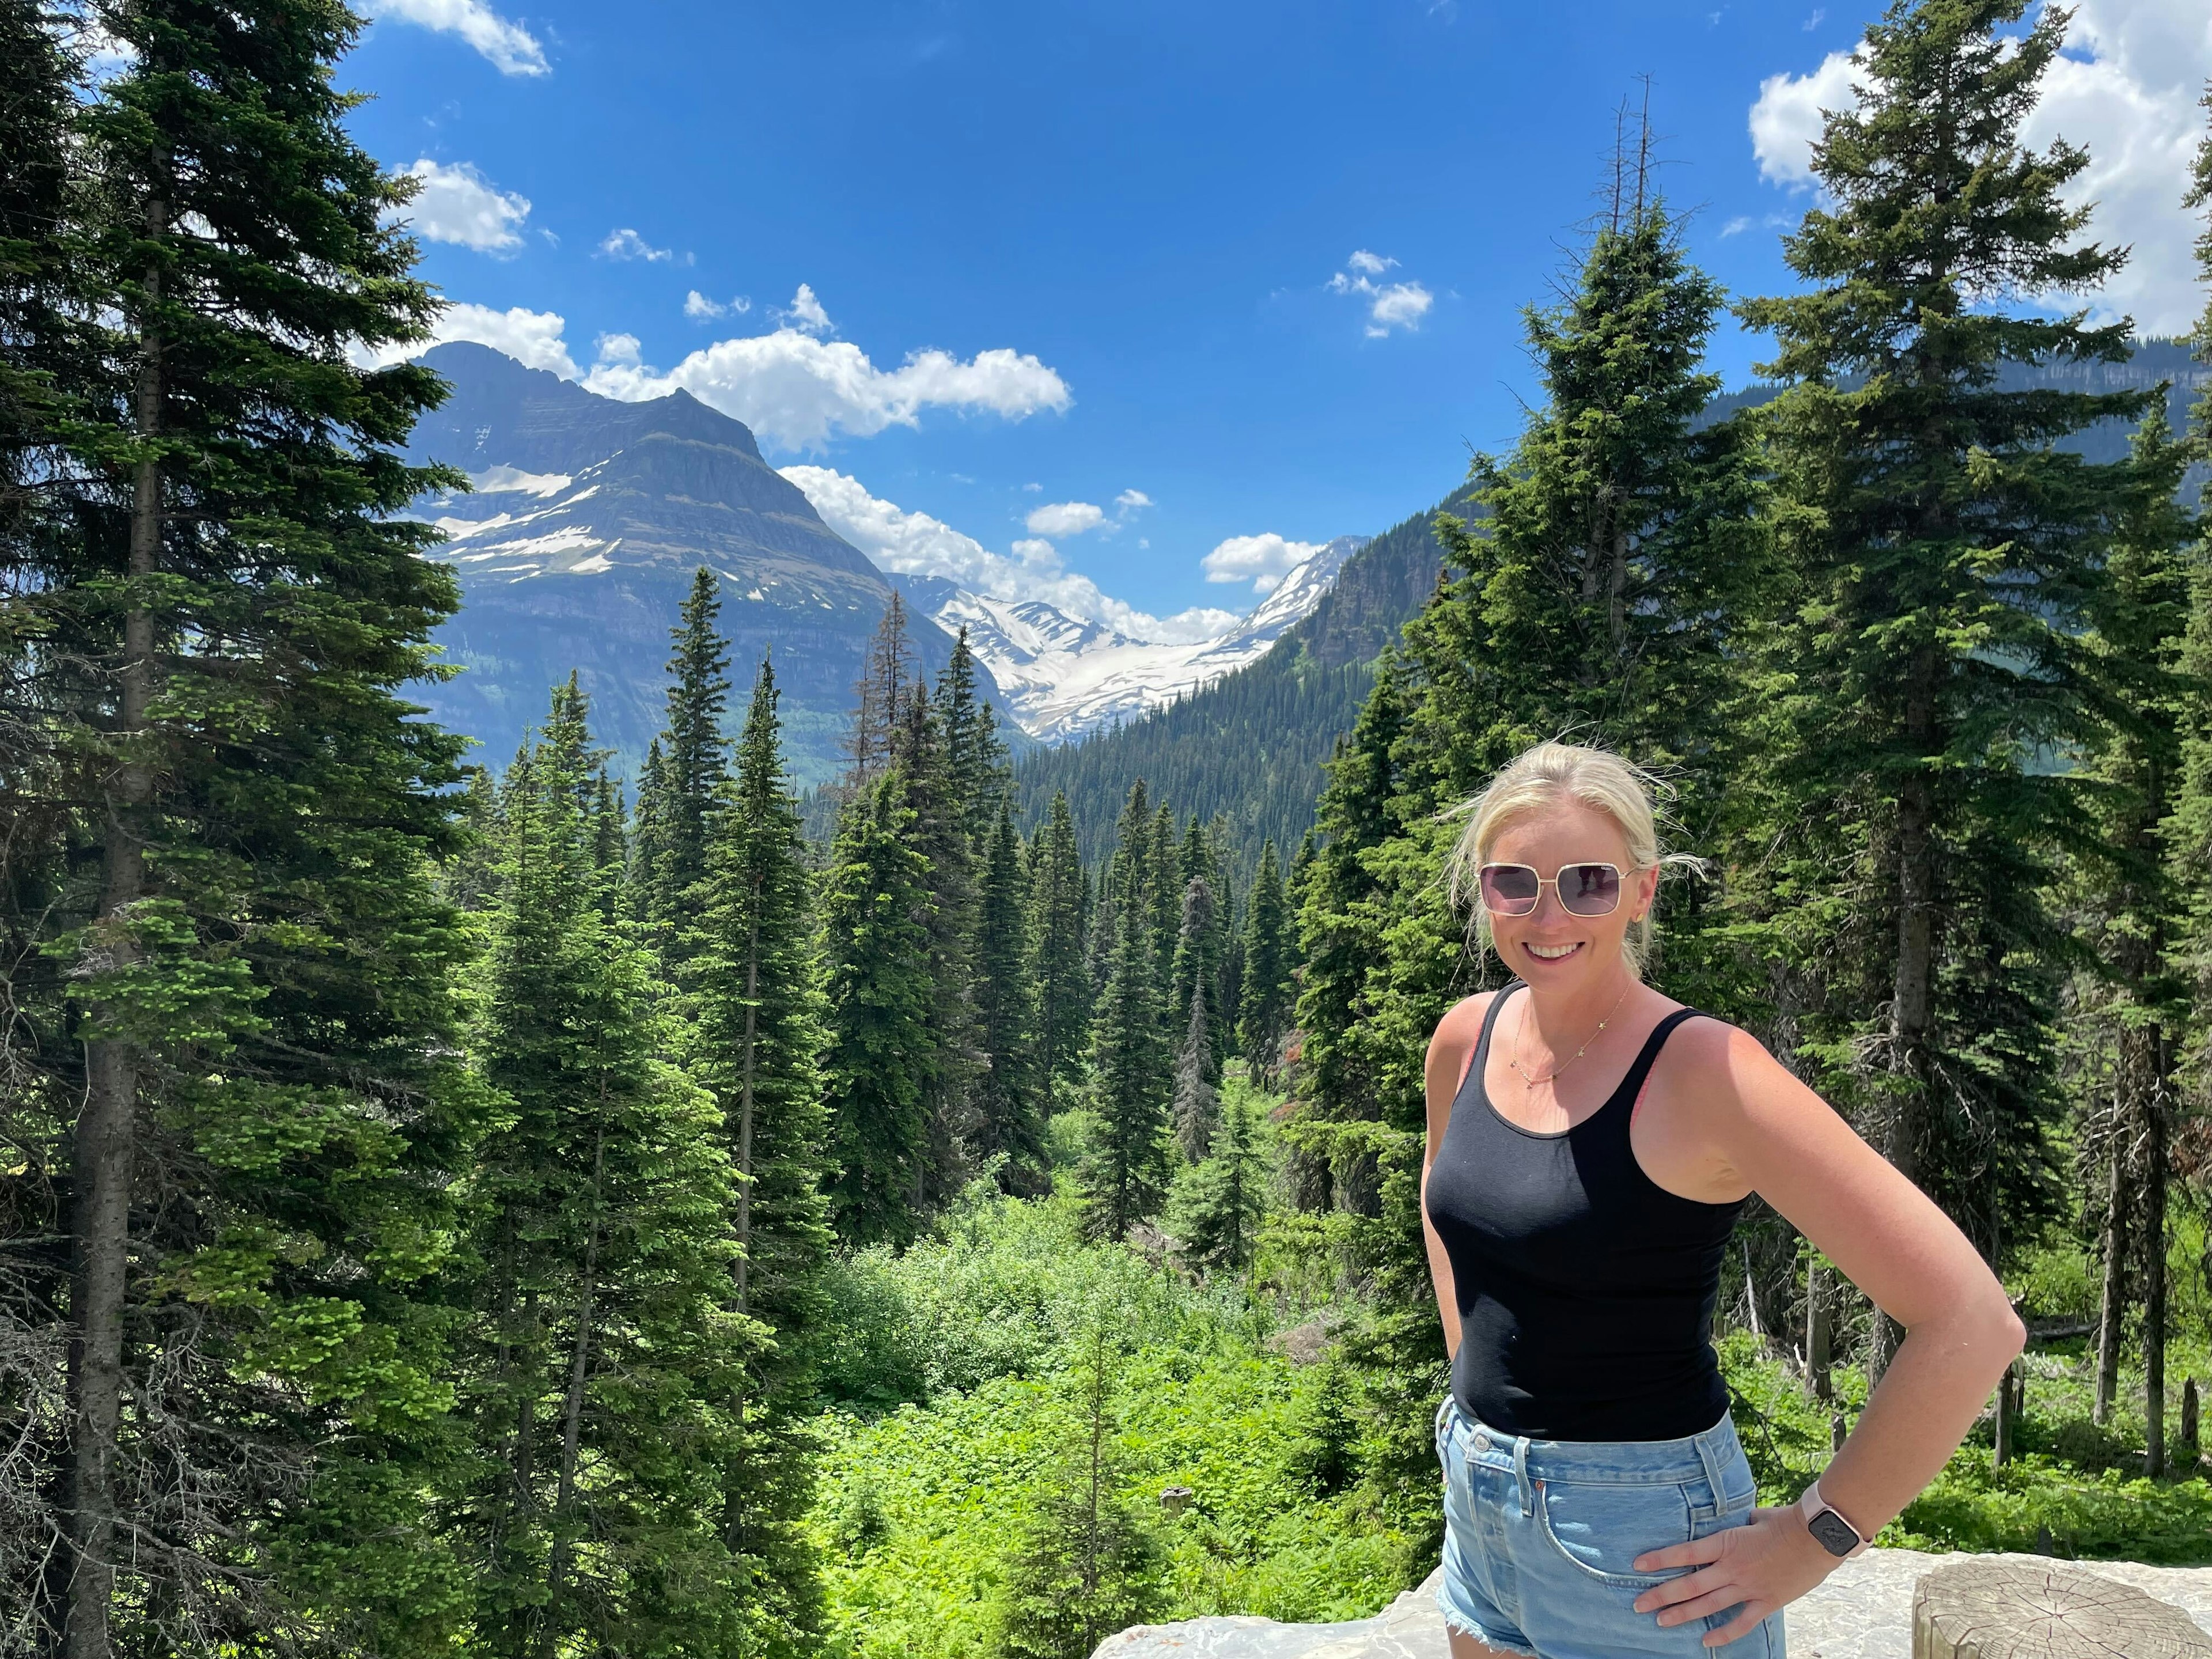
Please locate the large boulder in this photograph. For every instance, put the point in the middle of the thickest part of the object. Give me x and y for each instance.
(1862, 1611)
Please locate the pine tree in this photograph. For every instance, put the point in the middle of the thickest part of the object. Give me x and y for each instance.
(1058, 946)
(1125, 1175)
(649, 849)
(1218, 1205)
(1269, 962)
(880, 695)
(1194, 979)
(231, 1039)
(1084, 1566)
(1945, 555)
(977, 779)
(756, 1046)
(1164, 879)
(937, 832)
(604, 1350)
(1011, 1091)
(695, 763)
(875, 950)
(1196, 1097)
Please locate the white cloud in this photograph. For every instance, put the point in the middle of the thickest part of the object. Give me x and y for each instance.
(511, 48)
(1786, 120)
(618, 348)
(1064, 518)
(1263, 560)
(2126, 90)
(797, 392)
(627, 244)
(1736, 226)
(1389, 305)
(1031, 569)
(458, 204)
(1130, 501)
(1820, 16)
(804, 312)
(530, 337)
(698, 307)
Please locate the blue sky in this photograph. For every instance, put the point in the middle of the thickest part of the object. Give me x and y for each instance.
(1254, 271)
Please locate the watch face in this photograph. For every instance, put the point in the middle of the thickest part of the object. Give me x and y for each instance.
(1834, 1533)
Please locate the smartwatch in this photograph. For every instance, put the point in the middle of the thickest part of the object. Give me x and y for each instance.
(1836, 1535)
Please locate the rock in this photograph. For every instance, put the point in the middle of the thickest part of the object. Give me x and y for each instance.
(1863, 1610)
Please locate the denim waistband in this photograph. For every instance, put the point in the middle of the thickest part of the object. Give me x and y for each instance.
(1610, 1462)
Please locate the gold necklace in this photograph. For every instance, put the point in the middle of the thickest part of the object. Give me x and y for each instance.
(1529, 1082)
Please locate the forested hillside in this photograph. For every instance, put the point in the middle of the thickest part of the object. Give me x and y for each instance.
(1249, 748)
(451, 1211)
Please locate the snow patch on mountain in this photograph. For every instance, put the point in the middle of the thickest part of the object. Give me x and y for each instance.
(1065, 676)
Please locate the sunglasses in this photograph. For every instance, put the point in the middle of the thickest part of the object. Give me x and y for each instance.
(1584, 889)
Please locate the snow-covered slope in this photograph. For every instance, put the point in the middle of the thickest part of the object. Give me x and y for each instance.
(1064, 676)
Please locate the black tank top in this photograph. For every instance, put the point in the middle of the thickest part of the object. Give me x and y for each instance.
(1585, 1289)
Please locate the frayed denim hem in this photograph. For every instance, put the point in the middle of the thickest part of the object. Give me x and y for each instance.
(1456, 1621)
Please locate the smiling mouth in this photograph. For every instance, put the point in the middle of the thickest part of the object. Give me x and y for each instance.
(1553, 952)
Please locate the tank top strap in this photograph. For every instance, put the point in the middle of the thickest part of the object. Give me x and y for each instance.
(1640, 1071)
(1475, 1062)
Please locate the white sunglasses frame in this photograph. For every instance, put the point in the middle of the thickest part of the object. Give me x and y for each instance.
(1620, 879)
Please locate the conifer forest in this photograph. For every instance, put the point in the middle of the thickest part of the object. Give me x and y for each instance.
(481, 1204)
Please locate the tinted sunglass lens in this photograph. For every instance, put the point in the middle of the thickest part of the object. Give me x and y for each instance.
(1510, 888)
(1589, 889)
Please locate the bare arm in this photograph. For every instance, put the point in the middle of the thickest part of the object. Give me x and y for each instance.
(1449, 1052)
(1764, 1130)
(1889, 1239)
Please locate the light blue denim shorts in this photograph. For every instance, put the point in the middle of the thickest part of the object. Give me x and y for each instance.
(1538, 1535)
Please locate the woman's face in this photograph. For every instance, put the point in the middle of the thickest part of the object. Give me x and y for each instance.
(1550, 946)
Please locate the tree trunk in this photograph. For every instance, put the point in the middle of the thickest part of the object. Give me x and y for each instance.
(572, 1410)
(1913, 992)
(2151, 1248)
(2112, 1312)
(1819, 1332)
(103, 1154)
(2002, 1436)
(746, 1105)
(2188, 1443)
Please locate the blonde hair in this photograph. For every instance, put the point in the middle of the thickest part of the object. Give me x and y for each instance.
(1545, 775)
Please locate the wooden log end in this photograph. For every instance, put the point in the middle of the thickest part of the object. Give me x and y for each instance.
(1981, 1608)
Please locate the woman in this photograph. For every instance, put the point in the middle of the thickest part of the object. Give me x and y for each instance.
(1590, 1144)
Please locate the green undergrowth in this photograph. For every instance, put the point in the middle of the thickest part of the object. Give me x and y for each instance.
(2073, 1488)
(961, 1404)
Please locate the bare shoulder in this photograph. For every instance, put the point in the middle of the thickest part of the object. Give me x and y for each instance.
(1462, 1021)
(1723, 1078)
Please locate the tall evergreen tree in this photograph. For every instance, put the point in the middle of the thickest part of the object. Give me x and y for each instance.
(756, 1045)
(695, 763)
(1164, 879)
(230, 1086)
(977, 779)
(1125, 1170)
(1058, 946)
(649, 840)
(1944, 561)
(1194, 982)
(1218, 1205)
(880, 696)
(875, 952)
(1010, 1093)
(605, 1352)
(938, 832)
(1197, 1099)
(1269, 962)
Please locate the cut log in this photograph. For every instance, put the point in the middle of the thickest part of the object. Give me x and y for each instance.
(1986, 1609)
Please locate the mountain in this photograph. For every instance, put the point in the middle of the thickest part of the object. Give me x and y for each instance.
(1250, 744)
(1064, 676)
(578, 541)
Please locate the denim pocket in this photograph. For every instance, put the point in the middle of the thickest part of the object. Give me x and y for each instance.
(1601, 1528)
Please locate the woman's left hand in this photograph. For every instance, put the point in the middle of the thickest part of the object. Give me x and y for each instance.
(1760, 1566)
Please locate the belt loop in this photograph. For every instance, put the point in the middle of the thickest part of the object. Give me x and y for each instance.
(1520, 1472)
(1709, 1455)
